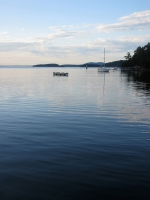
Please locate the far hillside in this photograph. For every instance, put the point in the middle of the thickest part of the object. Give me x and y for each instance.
(47, 65)
(114, 63)
(93, 64)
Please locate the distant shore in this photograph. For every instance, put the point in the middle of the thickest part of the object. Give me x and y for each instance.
(56, 65)
(89, 64)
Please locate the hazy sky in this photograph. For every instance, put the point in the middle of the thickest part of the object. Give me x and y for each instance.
(71, 31)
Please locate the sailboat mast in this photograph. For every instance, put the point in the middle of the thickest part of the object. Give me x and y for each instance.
(104, 57)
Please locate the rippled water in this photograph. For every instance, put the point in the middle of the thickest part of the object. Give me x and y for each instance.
(85, 136)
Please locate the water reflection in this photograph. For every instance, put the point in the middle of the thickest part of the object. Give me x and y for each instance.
(141, 80)
(85, 92)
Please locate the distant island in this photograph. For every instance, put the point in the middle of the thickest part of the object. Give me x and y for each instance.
(89, 64)
(46, 65)
(56, 65)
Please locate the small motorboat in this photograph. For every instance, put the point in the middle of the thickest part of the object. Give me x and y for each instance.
(60, 74)
(103, 69)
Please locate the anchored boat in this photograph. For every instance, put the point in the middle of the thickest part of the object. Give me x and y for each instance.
(60, 74)
(103, 69)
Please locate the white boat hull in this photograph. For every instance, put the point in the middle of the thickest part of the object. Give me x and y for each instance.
(103, 70)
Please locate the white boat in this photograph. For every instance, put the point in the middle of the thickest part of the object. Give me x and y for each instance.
(103, 69)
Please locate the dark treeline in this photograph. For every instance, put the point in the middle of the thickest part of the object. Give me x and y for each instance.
(46, 65)
(140, 58)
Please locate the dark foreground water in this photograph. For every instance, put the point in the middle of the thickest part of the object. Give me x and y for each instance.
(86, 136)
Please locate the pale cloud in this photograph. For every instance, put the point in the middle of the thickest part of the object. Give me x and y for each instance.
(4, 33)
(82, 41)
(62, 34)
(37, 46)
(70, 27)
(135, 21)
(122, 42)
(74, 31)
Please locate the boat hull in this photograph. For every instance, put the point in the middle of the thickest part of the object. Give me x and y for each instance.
(60, 74)
(103, 70)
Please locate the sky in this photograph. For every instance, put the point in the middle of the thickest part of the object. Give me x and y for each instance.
(71, 31)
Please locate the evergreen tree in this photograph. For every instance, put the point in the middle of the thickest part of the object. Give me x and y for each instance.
(141, 57)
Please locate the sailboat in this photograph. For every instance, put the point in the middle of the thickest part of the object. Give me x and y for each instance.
(103, 69)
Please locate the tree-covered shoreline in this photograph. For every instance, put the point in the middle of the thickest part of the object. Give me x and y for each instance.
(140, 58)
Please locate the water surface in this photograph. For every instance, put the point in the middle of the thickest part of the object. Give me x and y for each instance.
(85, 136)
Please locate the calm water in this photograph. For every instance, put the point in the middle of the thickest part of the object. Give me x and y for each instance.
(86, 136)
